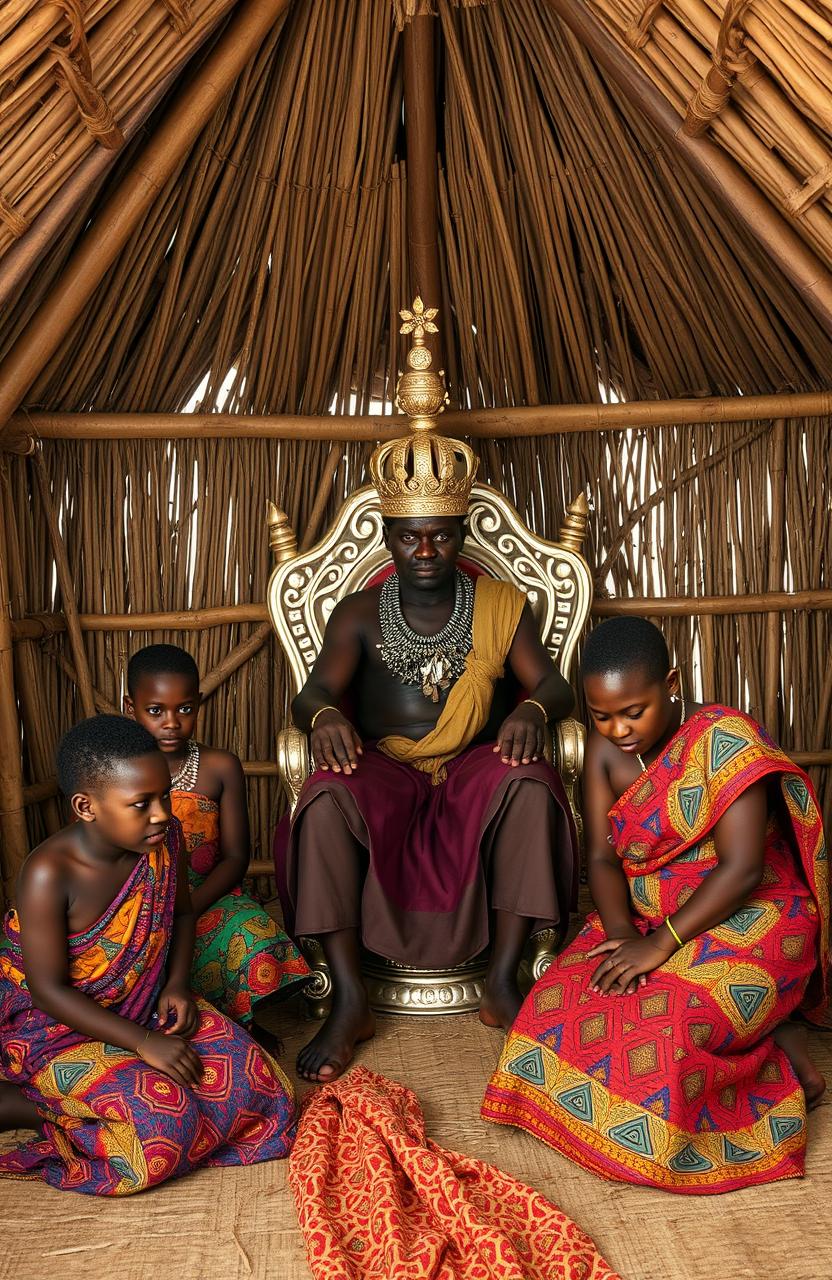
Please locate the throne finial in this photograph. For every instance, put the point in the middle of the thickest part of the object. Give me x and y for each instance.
(282, 539)
(573, 529)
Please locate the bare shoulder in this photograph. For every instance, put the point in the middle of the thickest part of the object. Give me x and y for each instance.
(224, 763)
(600, 756)
(355, 611)
(48, 867)
(358, 604)
(218, 768)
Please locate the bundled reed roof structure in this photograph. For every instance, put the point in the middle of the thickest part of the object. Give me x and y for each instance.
(602, 226)
(76, 77)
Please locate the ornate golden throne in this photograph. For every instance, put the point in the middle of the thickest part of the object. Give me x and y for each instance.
(303, 590)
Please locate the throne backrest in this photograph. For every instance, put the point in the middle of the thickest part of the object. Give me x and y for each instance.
(305, 586)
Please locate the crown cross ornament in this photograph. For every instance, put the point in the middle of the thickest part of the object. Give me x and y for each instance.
(424, 473)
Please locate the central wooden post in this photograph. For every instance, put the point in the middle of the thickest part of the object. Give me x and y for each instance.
(422, 198)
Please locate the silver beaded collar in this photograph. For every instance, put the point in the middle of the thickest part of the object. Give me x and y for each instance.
(185, 777)
(432, 662)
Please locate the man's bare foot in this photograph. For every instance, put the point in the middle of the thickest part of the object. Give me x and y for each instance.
(501, 1002)
(17, 1112)
(794, 1041)
(330, 1052)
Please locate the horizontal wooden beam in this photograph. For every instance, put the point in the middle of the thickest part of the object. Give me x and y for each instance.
(40, 626)
(523, 420)
(37, 792)
(696, 606)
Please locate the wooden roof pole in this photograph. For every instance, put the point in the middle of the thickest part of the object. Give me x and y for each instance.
(713, 165)
(17, 265)
(422, 195)
(119, 216)
(14, 836)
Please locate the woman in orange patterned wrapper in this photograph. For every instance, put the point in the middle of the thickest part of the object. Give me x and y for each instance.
(241, 957)
(103, 1048)
(658, 1048)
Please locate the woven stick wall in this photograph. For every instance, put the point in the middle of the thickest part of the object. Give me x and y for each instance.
(579, 259)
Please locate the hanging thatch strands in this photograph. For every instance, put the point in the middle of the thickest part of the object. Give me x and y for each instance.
(69, 75)
(13, 831)
(785, 245)
(127, 206)
(756, 73)
(74, 198)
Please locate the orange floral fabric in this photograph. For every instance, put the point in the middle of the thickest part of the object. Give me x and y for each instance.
(376, 1198)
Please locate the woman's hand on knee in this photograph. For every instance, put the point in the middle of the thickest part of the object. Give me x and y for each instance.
(626, 963)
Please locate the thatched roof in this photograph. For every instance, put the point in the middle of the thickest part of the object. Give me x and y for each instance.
(578, 243)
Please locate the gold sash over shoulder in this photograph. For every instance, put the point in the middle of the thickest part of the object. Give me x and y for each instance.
(497, 610)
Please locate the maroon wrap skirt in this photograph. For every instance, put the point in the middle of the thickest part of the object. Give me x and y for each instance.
(419, 867)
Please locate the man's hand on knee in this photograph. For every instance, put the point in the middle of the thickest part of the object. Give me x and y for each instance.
(335, 743)
(521, 736)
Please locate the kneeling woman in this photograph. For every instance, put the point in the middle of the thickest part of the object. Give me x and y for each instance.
(658, 1048)
(102, 1046)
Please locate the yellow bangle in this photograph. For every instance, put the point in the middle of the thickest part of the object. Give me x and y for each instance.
(540, 708)
(673, 931)
(320, 712)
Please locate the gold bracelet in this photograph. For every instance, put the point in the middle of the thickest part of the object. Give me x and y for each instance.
(320, 712)
(540, 707)
(673, 931)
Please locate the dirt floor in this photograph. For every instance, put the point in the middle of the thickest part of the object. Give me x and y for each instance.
(230, 1223)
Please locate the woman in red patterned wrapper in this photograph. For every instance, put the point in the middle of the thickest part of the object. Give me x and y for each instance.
(659, 1048)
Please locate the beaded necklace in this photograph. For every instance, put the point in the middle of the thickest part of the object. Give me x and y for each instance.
(185, 777)
(432, 662)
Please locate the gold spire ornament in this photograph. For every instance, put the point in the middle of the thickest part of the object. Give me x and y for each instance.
(424, 473)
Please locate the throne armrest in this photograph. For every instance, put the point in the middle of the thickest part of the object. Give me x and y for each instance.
(569, 741)
(292, 761)
(570, 738)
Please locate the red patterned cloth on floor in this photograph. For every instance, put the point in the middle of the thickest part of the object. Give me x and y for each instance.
(375, 1198)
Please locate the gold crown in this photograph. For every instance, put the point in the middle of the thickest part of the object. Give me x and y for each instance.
(423, 474)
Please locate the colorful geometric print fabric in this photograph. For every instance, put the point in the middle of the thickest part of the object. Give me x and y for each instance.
(376, 1198)
(118, 962)
(112, 1124)
(680, 1085)
(240, 956)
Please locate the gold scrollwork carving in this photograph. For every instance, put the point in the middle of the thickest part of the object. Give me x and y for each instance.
(292, 761)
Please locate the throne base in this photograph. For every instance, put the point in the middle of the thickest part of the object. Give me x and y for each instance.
(399, 989)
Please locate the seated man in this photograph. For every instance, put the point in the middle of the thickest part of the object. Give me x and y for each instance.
(432, 807)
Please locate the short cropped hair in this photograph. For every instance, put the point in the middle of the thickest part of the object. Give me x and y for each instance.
(90, 753)
(622, 645)
(160, 660)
